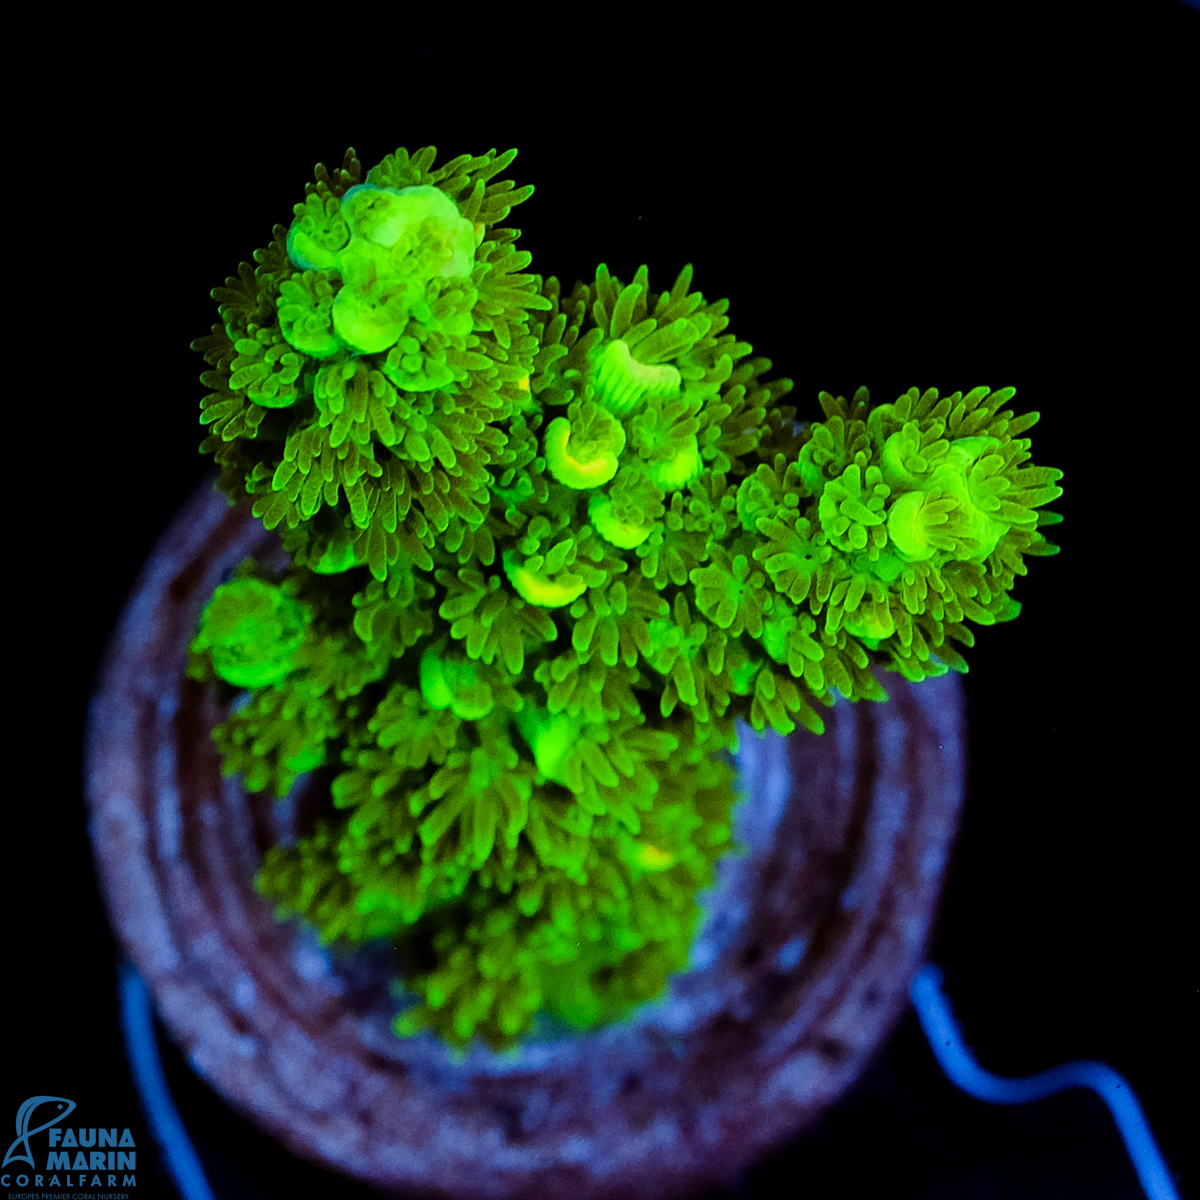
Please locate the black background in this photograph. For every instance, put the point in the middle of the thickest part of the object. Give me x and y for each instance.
(898, 202)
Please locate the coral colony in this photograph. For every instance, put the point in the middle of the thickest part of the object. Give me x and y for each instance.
(546, 550)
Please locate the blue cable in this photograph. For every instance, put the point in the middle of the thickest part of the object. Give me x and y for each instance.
(933, 1010)
(141, 1048)
(946, 1042)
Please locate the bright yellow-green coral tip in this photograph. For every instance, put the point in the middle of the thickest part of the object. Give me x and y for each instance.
(651, 858)
(622, 383)
(550, 738)
(871, 621)
(942, 514)
(909, 522)
(679, 470)
(252, 629)
(537, 589)
(583, 462)
(619, 533)
(455, 686)
(387, 244)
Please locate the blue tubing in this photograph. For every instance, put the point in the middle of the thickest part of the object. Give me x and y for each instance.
(946, 1042)
(141, 1048)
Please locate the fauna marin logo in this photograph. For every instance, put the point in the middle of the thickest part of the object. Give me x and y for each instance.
(75, 1158)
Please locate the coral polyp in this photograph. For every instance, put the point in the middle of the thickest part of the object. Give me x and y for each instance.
(547, 549)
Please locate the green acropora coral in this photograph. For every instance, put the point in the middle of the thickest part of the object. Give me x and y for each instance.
(546, 550)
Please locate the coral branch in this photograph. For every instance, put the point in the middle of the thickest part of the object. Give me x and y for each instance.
(546, 550)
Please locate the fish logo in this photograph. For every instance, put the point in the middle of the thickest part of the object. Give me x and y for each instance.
(24, 1133)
